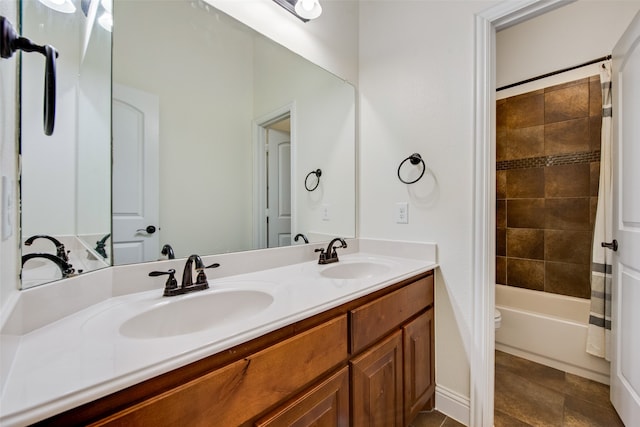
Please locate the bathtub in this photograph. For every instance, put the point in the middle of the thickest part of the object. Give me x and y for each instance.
(549, 329)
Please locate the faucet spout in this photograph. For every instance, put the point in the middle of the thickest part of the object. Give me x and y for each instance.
(66, 269)
(330, 255)
(60, 249)
(187, 276)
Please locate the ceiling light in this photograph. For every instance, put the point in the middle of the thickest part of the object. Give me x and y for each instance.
(64, 6)
(308, 9)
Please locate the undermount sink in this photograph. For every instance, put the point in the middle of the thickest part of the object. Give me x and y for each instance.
(196, 313)
(354, 270)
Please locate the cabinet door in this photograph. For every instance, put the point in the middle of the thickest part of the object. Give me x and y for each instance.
(419, 372)
(325, 405)
(376, 380)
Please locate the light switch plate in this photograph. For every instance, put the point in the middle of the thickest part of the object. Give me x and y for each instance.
(325, 212)
(7, 207)
(402, 213)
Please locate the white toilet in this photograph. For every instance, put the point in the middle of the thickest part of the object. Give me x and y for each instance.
(497, 317)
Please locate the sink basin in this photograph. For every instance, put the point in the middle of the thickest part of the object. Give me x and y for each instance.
(196, 313)
(354, 270)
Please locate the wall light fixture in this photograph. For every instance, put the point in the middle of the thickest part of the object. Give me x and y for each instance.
(304, 10)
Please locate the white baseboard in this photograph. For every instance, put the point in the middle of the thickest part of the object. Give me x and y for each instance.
(453, 404)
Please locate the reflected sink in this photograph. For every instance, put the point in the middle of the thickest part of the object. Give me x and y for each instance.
(196, 313)
(354, 270)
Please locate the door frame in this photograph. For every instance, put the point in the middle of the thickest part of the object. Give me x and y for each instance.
(260, 125)
(482, 369)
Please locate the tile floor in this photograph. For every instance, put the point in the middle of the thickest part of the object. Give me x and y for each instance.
(434, 419)
(529, 394)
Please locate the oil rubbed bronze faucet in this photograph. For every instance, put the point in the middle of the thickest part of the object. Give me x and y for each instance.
(194, 262)
(66, 269)
(61, 252)
(330, 255)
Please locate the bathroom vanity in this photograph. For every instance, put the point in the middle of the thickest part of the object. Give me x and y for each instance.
(346, 344)
(377, 351)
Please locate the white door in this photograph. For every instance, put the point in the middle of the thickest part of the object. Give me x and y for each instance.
(625, 326)
(135, 176)
(278, 188)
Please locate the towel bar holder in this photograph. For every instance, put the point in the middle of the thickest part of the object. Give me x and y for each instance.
(414, 159)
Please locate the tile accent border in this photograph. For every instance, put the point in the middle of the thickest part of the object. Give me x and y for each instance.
(544, 161)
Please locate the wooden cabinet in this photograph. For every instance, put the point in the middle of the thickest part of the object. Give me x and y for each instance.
(419, 365)
(325, 405)
(238, 392)
(367, 362)
(376, 378)
(394, 379)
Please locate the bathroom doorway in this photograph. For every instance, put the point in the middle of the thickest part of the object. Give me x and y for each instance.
(498, 23)
(274, 189)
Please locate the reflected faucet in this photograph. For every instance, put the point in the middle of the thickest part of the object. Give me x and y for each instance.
(168, 251)
(101, 246)
(61, 252)
(66, 269)
(299, 235)
(330, 255)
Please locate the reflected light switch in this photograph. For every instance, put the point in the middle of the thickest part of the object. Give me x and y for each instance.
(7, 207)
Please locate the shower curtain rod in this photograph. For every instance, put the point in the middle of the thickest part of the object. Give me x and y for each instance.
(553, 73)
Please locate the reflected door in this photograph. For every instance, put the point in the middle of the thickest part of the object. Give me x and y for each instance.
(135, 176)
(278, 188)
(625, 369)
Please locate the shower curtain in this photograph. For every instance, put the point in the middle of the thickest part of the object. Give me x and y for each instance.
(600, 314)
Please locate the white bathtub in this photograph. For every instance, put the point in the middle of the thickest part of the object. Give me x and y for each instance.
(549, 329)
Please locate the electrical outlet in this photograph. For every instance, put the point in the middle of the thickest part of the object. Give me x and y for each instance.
(402, 213)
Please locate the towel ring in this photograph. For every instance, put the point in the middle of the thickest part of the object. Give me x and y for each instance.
(318, 174)
(415, 159)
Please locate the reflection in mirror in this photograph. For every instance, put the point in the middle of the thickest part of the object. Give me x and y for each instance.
(66, 177)
(215, 128)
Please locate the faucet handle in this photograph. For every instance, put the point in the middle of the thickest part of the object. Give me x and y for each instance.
(201, 278)
(171, 282)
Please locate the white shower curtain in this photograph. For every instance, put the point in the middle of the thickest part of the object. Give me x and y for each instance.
(600, 314)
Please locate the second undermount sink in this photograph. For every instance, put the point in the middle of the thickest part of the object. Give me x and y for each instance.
(354, 269)
(196, 313)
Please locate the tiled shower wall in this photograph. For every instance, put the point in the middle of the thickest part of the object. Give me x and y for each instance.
(548, 162)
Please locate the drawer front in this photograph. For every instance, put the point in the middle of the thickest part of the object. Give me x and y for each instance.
(326, 404)
(377, 318)
(238, 392)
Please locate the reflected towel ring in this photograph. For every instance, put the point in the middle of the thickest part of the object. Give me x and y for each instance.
(10, 42)
(318, 174)
(415, 159)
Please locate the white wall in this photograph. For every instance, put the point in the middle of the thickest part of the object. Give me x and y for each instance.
(192, 62)
(8, 165)
(568, 36)
(49, 162)
(324, 125)
(330, 41)
(416, 95)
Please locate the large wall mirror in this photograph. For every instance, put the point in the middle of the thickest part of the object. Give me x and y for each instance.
(218, 135)
(215, 130)
(66, 177)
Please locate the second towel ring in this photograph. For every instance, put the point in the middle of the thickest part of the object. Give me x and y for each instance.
(318, 174)
(415, 159)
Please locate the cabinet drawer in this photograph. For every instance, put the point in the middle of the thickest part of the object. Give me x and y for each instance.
(326, 404)
(377, 318)
(238, 392)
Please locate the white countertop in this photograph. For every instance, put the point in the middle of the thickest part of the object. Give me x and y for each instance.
(84, 356)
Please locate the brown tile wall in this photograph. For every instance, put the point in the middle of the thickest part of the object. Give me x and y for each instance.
(548, 161)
